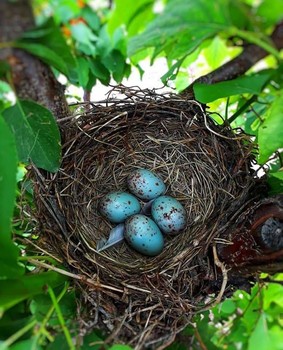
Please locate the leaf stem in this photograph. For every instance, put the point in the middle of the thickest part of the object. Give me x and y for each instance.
(61, 318)
(42, 330)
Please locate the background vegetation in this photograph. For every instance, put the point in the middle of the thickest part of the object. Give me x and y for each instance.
(89, 42)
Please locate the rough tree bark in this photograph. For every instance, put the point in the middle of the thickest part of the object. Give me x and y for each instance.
(31, 78)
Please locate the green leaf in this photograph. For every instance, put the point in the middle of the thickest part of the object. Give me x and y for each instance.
(13, 291)
(4, 68)
(216, 52)
(270, 15)
(93, 342)
(275, 182)
(64, 10)
(115, 62)
(182, 27)
(91, 18)
(270, 131)
(227, 307)
(260, 338)
(50, 35)
(134, 14)
(251, 84)
(13, 320)
(8, 170)
(83, 34)
(83, 71)
(60, 343)
(36, 133)
(26, 344)
(100, 71)
(41, 304)
(272, 294)
(120, 347)
(45, 54)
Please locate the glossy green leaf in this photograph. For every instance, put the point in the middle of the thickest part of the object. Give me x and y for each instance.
(260, 338)
(251, 84)
(12, 291)
(182, 27)
(216, 52)
(227, 307)
(36, 133)
(135, 15)
(273, 292)
(268, 13)
(270, 131)
(45, 54)
(8, 171)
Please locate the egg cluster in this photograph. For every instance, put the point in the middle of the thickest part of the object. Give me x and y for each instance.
(142, 232)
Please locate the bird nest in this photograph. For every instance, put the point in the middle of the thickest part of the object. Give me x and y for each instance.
(143, 301)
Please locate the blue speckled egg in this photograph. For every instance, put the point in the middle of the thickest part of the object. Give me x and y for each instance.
(145, 184)
(143, 235)
(169, 214)
(118, 206)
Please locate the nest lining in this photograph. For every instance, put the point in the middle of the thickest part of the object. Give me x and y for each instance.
(140, 299)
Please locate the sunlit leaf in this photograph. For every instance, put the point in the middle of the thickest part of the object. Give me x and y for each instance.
(134, 14)
(216, 52)
(183, 26)
(36, 133)
(270, 131)
(270, 14)
(260, 338)
(251, 84)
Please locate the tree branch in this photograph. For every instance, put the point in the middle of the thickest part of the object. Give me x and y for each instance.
(240, 64)
(31, 78)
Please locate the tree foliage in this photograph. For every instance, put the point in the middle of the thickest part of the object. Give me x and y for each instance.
(87, 45)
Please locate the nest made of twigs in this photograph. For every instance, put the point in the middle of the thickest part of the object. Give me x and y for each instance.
(138, 299)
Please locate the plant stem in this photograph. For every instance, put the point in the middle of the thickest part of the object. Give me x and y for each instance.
(42, 329)
(61, 318)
